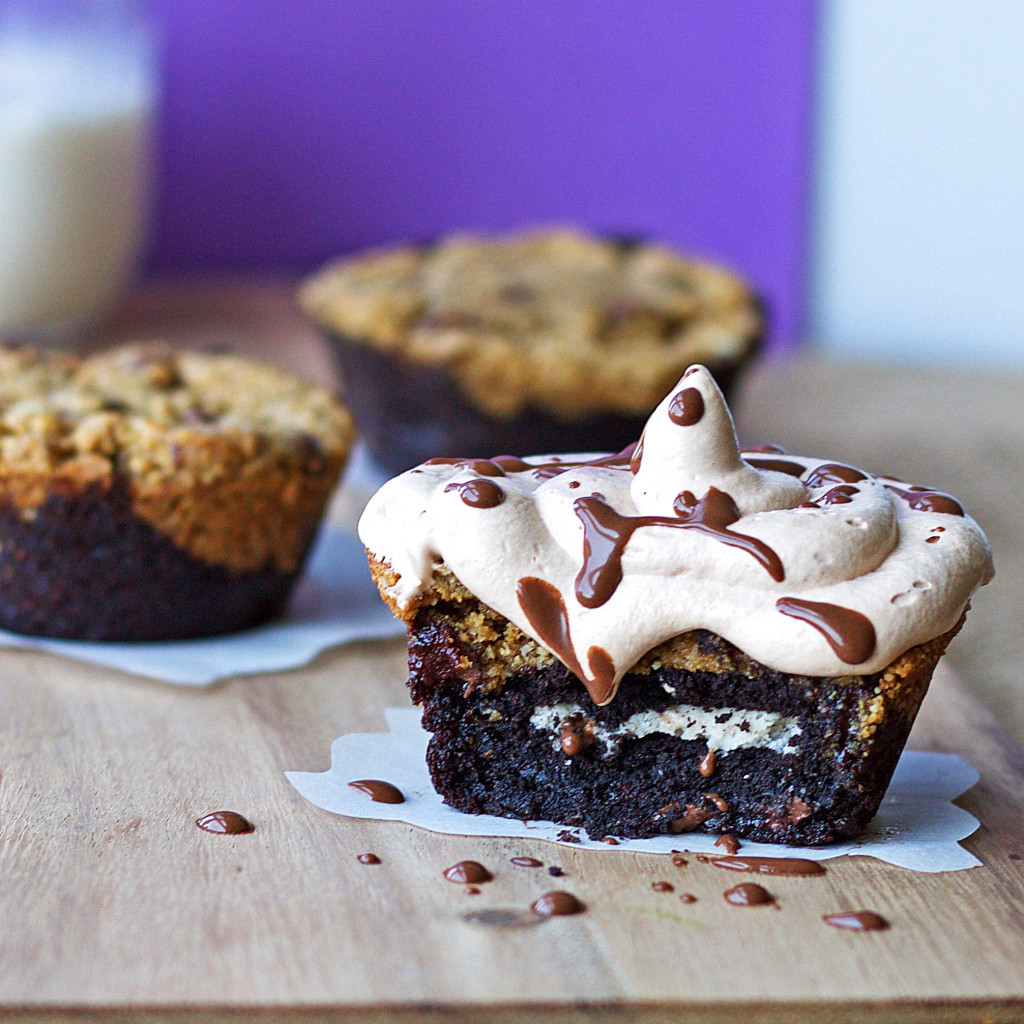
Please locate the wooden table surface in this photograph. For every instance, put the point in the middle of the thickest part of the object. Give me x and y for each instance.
(115, 906)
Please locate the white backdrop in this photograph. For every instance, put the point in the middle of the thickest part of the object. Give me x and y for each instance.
(918, 246)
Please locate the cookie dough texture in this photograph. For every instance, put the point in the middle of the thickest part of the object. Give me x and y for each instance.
(556, 321)
(186, 465)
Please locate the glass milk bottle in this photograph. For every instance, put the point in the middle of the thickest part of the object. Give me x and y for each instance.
(76, 113)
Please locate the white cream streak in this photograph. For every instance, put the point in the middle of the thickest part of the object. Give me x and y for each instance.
(873, 554)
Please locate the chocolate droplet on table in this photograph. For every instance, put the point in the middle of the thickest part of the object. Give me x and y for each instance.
(379, 792)
(662, 886)
(859, 921)
(687, 897)
(555, 871)
(368, 858)
(679, 862)
(748, 894)
(468, 872)
(498, 917)
(787, 866)
(686, 407)
(729, 843)
(527, 862)
(558, 904)
(225, 823)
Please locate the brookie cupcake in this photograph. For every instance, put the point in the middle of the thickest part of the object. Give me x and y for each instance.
(146, 495)
(550, 341)
(678, 637)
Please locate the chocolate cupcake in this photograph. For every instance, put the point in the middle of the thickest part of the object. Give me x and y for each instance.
(550, 341)
(147, 495)
(677, 637)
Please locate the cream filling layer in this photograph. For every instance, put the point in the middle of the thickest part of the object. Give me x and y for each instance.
(723, 729)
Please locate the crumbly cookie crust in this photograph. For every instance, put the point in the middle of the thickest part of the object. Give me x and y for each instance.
(230, 460)
(555, 320)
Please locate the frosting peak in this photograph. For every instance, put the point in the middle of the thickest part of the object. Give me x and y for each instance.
(690, 443)
(808, 566)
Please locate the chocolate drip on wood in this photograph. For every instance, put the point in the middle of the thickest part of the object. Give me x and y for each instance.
(662, 886)
(468, 872)
(686, 407)
(857, 921)
(527, 862)
(378, 791)
(850, 634)
(225, 823)
(788, 866)
(478, 493)
(748, 894)
(368, 858)
(558, 904)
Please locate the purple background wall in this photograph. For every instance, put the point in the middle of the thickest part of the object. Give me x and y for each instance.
(296, 131)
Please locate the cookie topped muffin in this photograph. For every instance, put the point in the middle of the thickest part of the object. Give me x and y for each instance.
(552, 336)
(146, 494)
(682, 635)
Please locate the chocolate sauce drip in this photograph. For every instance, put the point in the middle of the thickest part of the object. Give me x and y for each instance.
(368, 858)
(686, 407)
(558, 904)
(928, 501)
(547, 470)
(841, 494)
(663, 887)
(482, 467)
(729, 843)
(606, 534)
(834, 473)
(687, 897)
(225, 823)
(788, 866)
(748, 894)
(679, 862)
(571, 740)
(555, 871)
(472, 890)
(511, 464)
(772, 449)
(707, 764)
(379, 792)
(638, 454)
(478, 493)
(527, 862)
(776, 465)
(468, 872)
(857, 921)
(719, 803)
(848, 633)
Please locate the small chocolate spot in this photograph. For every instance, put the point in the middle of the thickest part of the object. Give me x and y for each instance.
(748, 894)
(227, 823)
(527, 862)
(378, 791)
(555, 871)
(468, 872)
(729, 843)
(687, 897)
(707, 764)
(663, 887)
(368, 858)
(858, 921)
(558, 904)
(686, 407)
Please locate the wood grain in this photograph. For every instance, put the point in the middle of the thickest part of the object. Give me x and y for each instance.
(114, 906)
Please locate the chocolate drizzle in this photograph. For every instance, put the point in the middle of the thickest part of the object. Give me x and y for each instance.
(850, 634)
(928, 501)
(527, 862)
(378, 791)
(225, 823)
(857, 921)
(776, 465)
(834, 473)
(729, 843)
(606, 534)
(478, 493)
(686, 407)
(788, 866)
(707, 764)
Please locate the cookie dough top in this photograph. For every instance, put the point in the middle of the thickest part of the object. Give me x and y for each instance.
(557, 319)
(146, 414)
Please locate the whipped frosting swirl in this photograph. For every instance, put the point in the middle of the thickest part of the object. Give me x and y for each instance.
(808, 566)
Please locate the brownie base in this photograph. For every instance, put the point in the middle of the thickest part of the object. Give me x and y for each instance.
(85, 566)
(485, 756)
(408, 413)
